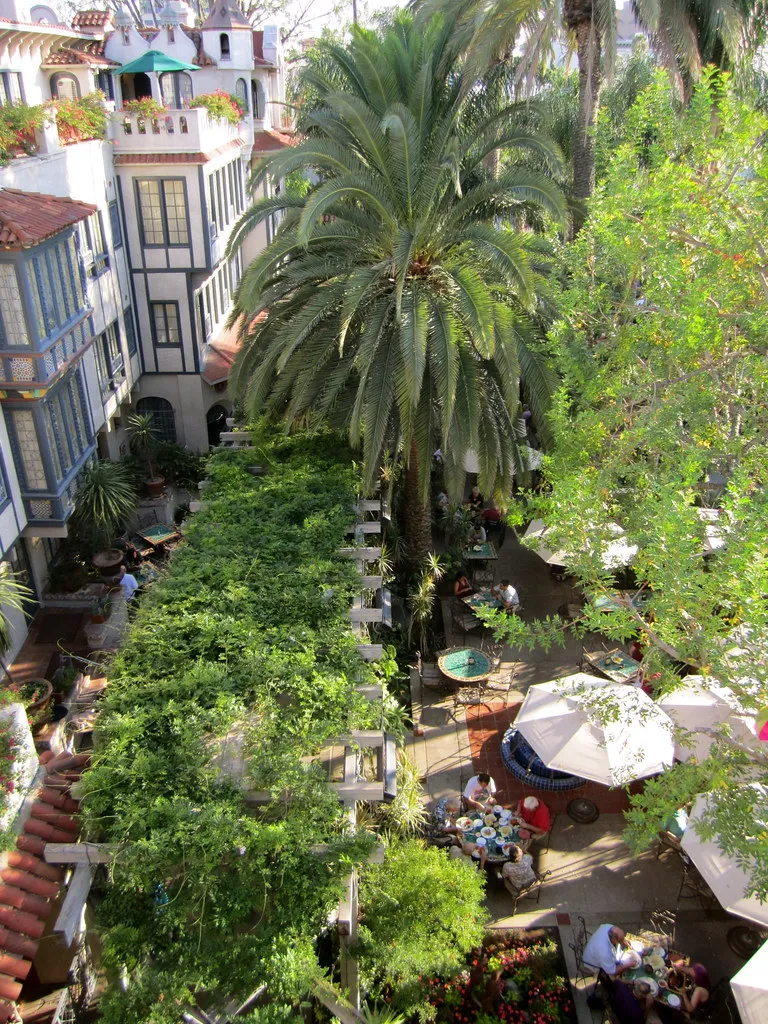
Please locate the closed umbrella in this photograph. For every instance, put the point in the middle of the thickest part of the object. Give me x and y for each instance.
(700, 703)
(154, 60)
(605, 731)
(613, 553)
(750, 988)
(723, 874)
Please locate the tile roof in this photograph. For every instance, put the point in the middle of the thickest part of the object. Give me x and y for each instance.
(28, 885)
(121, 159)
(27, 218)
(148, 33)
(89, 52)
(221, 352)
(92, 19)
(266, 141)
(201, 59)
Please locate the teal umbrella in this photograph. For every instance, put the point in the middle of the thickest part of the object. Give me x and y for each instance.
(154, 60)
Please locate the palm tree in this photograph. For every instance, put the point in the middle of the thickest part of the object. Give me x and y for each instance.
(683, 32)
(398, 297)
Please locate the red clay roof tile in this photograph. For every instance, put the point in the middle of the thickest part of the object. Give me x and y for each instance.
(46, 756)
(19, 921)
(27, 218)
(14, 942)
(270, 139)
(14, 966)
(64, 762)
(45, 831)
(30, 883)
(92, 18)
(9, 989)
(30, 844)
(56, 798)
(29, 862)
(11, 896)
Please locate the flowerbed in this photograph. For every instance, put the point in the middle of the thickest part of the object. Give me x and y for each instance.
(518, 977)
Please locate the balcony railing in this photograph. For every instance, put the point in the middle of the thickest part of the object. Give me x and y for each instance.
(176, 131)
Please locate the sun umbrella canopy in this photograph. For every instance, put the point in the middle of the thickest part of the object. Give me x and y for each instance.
(613, 553)
(725, 877)
(154, 60)
(604, 731)
(700, 703)
(750, 988)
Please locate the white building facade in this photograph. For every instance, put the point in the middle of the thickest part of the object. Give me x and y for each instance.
(114, 286)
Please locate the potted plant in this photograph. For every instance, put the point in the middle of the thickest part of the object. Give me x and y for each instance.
(13, 593)
(105, 500)
(144, 441)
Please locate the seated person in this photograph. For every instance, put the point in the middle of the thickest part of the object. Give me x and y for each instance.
(604, 950)
(441, 825)
(491, 515)
(443, 503)
(462, 587)
(468, 851)
(475, 501)
(477, 535)
(535, 814)
(518, 870)
(506, 593)
(677, 823)
(479, 793)
(698, 987)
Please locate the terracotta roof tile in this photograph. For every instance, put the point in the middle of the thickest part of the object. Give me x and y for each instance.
(9, 989)
(56, 798)
(31, 844)
(46, 756)
(30, 883)
(14, 966)
(18, 921)
(14, 942)
(121, 159)
(270, 139)
(202, 59)
(7, 1012)
(27, 218)
(148, 33)
(222, 350)
(88, 52)
(12, 896)
(66, 762)
(29, 862)
(92, 19)
(44, 812)
(45, 831)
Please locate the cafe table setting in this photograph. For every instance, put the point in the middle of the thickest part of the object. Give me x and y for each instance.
(496, 830)
(652, 964)
(483, 551)
(615, 665)
(482, 599)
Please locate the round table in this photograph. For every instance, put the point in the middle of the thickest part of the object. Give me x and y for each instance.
(465, 664)
(494, 849)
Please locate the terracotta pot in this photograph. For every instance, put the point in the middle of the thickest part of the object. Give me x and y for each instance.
(44, 699)
(155, 486)
(108, 561)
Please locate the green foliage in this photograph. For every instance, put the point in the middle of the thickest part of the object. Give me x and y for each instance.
(145, 107)
(143, 438)
(421, 602)
(235, 644)
(83, 118)
(422, 913)
(221, 105)
(13, 594)
(105, 500)
(180, 466)
(661, 343)
(17, 126)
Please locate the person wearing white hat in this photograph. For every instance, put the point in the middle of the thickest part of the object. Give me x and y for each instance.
(536, 816)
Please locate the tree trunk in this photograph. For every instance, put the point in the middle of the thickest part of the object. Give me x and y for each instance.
(590, 83)
(418, 517)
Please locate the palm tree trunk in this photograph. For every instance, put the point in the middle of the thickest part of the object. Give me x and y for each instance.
(590, 83)
(418, 518)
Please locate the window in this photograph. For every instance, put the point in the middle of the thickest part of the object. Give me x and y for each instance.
(106, 83)
(224, 46)
(4, 499)
(176, 88)
(241, 91)
(163, 211)
(171, 34)
(130, 330)
(65, 86)
(96, 255)
(165, 323)
(11, 89)
(126, 32)
(161, 411)
(13, 328)
(115, 225)
(109, 359)
(66, 424)
(56, 287)
(257, 98)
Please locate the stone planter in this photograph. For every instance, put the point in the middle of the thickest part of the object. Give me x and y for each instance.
(155, 486)
(108, 561)
(22, 769)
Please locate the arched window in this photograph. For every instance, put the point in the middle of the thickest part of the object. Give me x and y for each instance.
(241, 91)
(216, 419)
(163, 416)
(224, 45)
(176, 88)
(65, 86)
(257, 97)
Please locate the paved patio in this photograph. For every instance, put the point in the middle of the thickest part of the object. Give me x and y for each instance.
(594, 875)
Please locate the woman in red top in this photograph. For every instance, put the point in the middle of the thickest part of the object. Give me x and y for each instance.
(535, 814)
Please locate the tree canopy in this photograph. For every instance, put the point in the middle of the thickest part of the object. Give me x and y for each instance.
(661, 425)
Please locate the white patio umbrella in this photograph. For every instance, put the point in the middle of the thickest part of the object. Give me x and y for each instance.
(750, 988)
(614, 553)
(605, 731)
(700, 703)
(723, 874)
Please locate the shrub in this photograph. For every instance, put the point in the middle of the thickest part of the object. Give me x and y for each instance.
(17, 126)
(82, 119)
(220, 104)
(146, 107)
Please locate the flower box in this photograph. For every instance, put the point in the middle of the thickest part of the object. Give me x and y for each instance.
(18, 761)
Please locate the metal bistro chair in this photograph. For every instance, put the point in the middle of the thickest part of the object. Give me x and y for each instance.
(463, 621)
(581, 937)
(693, 886)
(532, 891)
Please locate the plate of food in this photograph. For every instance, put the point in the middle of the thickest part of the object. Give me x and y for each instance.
(659, 951)
(490, 819)
(673, 1000)
(631, 959)
(480, 841)
(477, 823)
(488, 832)
(465, 824)
(652, 986)
(505, 830)
(656, 961)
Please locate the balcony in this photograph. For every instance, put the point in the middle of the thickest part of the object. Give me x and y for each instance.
(176, 131)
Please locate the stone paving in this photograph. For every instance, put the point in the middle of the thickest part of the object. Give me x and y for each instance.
(594, 875)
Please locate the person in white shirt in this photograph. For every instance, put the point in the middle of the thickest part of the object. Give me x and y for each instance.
(479, 793)
(128, 583)
(506, 593)
(604, 950)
